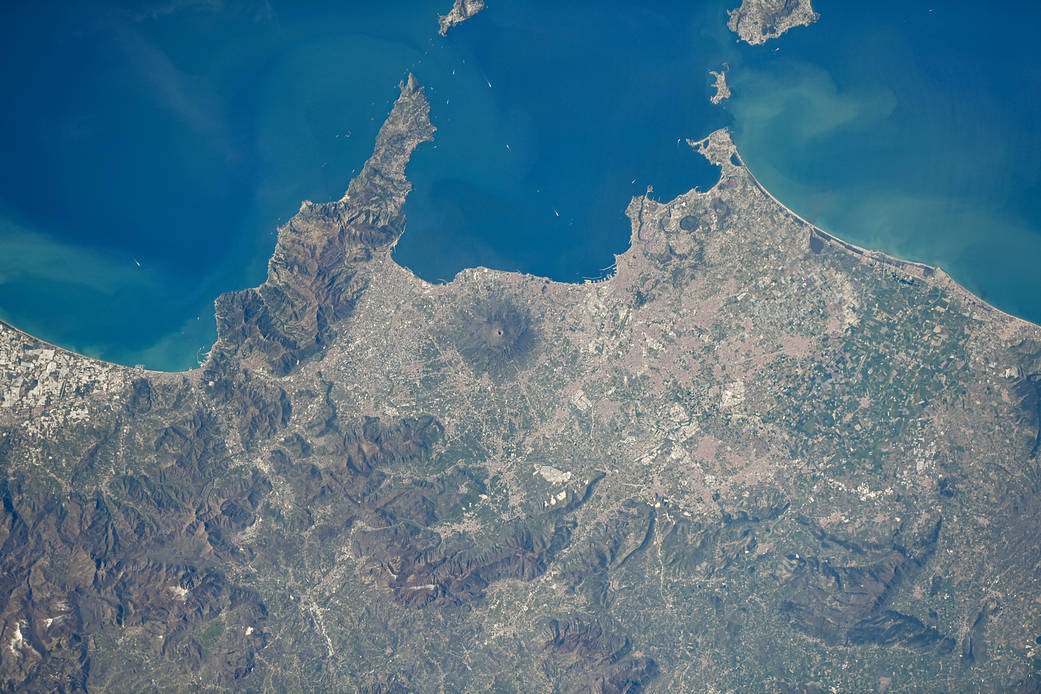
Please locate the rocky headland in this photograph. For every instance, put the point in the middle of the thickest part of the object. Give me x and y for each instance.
(461, 11)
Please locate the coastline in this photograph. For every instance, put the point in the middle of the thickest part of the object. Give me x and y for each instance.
(758, 21)
(929, 273)
(44, 344)
(720, 84)
(402, 398)
(461, 11)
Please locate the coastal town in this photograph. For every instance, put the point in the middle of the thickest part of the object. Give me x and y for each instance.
(755, 456)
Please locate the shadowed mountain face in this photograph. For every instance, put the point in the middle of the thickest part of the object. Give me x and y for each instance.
(755, 458)
(313, 275)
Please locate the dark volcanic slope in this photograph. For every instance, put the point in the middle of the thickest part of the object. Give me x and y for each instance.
(755, 458)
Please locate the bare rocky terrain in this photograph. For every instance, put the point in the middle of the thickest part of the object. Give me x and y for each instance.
(753, 458)
(461, 11)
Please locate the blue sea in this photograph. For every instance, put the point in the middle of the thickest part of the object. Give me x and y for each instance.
(152, 149)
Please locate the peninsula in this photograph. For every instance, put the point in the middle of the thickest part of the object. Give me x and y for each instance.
(754, 458)
(461, 11)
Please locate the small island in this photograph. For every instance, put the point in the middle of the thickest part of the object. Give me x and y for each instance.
(758, 21)
(461, 11)
(720, 85)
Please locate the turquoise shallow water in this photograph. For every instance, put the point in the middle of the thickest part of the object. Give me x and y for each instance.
(150, 153)
(909, 129)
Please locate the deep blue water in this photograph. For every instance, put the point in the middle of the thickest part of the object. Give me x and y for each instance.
(149, 154)
(588, 105)
(910, 127)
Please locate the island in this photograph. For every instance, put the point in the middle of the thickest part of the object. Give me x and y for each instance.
(720, 84)
(461, 11)
(754, 457)
(758, 21)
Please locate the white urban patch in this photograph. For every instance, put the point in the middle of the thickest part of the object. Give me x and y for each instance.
(552, 474)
